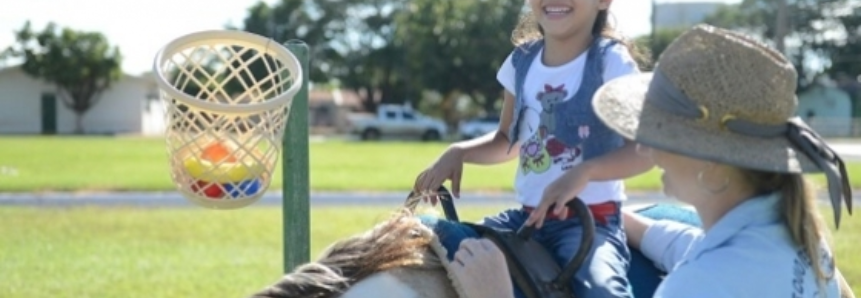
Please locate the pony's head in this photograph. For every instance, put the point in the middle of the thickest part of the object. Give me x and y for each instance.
(400, 242)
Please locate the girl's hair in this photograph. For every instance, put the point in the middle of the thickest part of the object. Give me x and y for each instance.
(528, 30)
(798, 210)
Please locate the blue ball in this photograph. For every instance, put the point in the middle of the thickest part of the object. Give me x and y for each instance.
(245, 188)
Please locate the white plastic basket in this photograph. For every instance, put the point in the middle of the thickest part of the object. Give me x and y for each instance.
(227, 95)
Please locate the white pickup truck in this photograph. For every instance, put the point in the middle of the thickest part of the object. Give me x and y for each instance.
(398, 121)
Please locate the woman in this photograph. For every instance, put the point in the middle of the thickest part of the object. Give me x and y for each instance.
(717, 115)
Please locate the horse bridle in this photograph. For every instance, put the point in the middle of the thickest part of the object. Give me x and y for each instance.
(446, 200)
(540, 277)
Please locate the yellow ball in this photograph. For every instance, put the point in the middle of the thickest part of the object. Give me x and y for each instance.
(225, 172)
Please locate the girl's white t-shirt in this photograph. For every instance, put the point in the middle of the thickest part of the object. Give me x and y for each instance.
(542, 158)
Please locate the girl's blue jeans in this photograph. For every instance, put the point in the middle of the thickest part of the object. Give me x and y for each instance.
(604, 274)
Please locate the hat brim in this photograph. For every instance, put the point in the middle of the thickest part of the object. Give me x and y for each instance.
(621, 104)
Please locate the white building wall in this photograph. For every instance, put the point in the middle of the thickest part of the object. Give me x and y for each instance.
(120, 110)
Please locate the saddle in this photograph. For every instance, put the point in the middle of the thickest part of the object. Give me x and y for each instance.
(533, 269)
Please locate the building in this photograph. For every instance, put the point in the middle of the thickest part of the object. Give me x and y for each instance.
(31, 106)
(131, 106)
(827, 109)
(674, 15)
(852, 86)
(329, 110)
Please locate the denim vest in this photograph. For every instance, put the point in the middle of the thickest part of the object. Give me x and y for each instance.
(576, 111)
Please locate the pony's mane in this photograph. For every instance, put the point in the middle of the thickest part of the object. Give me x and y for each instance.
(401, 241)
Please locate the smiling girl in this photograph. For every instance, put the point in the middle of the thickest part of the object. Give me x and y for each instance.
(565, 50)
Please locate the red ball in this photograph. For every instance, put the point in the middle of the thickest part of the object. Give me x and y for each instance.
(210, 190)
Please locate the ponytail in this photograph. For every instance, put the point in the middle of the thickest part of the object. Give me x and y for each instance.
(799, 213)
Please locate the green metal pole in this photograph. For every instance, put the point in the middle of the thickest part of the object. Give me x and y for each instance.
(296, 186)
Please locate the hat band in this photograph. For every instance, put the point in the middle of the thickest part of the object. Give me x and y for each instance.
(666, 96)
(663, 94)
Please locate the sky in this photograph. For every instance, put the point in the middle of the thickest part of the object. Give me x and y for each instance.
(140, 28)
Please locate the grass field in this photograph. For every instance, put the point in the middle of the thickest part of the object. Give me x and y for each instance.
(190, 252)
(120, 164)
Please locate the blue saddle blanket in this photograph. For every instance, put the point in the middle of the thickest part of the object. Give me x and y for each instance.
(643, 276)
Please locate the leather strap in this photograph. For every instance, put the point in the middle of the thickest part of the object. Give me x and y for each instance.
(526, 282)
(582, 211)
(446, 200)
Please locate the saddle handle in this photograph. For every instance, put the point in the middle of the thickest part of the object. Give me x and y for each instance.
(446, 200)
(585, 214)
(581, 211)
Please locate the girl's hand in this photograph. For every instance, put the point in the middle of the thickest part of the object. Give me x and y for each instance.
(558, 193)
(449, 166)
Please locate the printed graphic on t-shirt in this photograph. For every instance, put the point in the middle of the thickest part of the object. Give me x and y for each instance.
(803, 272)
(542, 150)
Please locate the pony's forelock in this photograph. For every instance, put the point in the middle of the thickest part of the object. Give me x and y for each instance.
(402, 241)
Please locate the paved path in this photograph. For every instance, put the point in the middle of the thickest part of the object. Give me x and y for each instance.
(271, 198)
(171, 199)
(850, 151)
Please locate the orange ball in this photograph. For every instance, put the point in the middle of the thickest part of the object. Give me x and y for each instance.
(217, 152)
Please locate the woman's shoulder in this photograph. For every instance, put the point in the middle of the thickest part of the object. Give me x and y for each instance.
(748, 268)
(764, 245)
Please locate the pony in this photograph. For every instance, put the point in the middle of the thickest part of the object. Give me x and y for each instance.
(403, 257)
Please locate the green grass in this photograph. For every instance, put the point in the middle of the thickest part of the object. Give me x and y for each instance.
(125, 163)
(190, 252)
(127, 252)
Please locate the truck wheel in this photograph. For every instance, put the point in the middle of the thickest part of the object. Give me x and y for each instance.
(431, 135)
(371, 134)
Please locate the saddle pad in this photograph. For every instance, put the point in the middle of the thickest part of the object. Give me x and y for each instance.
(449, 233)
(447, 240)
(643, 276)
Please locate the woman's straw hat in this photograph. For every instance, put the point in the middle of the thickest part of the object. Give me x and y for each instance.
(721, 96)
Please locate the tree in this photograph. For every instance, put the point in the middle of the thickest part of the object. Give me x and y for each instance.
(815, 29)
(81, 64)
(845, 53)
(662, 39)
(350, 42)
(455, 47)
(313, 22)
(373, 61)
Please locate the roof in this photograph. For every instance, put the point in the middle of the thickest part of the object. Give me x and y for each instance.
(339, 97)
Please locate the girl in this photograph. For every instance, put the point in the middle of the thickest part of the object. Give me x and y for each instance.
(565, 52)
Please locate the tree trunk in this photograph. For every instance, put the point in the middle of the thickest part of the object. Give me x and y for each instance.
(781, 26)
(79, 123)
(449, 108)
(369, 102)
